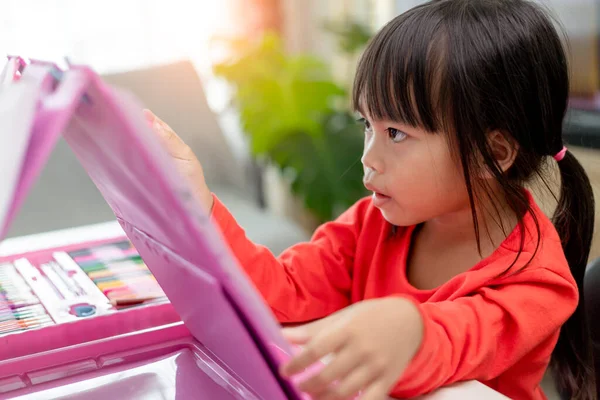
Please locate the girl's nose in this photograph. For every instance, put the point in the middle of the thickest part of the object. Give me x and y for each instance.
(371, 158)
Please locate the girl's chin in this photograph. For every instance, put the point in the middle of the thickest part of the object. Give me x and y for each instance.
(397, 219)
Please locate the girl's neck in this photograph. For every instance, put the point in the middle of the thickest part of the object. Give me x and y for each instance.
(495, 222)
(447, 245)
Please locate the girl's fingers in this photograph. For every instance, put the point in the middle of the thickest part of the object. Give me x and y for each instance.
(342, 364)
(159, 125)
(300, 335)
(349, 387)
(303, 333)
(176, 147)
(377, 391)
(149, 115)
(323, 343)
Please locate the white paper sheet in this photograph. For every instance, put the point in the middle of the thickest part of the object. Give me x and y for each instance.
(17, 111)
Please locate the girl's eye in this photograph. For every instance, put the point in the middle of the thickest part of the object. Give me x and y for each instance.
(396, 135)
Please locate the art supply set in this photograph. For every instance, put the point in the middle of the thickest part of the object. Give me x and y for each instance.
(118, 271)
(214, 339)
(20, 309)
(59, 286)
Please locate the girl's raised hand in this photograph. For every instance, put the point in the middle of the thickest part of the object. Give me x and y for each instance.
(187, 163)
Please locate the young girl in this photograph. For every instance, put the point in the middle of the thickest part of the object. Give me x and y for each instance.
(449, 271)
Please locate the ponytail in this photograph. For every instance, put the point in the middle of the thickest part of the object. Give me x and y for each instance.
(572, 359)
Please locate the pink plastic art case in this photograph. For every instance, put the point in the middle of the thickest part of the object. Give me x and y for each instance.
(228, 346)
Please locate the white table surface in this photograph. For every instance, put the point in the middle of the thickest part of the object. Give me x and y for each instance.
(63, 237)
(464, 391)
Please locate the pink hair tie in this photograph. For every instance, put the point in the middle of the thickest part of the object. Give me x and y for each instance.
(561, 154)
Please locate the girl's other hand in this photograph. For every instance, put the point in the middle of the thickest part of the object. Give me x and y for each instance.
(186, 162)
(369, 345)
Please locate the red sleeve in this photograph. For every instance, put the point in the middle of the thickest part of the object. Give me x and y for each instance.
(309, 280)
(479, 337)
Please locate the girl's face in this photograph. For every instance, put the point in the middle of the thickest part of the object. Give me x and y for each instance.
(411, 172)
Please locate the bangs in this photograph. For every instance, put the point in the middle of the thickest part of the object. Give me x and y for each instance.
(400, 76)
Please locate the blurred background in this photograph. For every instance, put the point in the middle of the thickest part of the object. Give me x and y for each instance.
(258, 88)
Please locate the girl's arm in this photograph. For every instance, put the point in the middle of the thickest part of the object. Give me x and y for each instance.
(309, 280)
(482, 336)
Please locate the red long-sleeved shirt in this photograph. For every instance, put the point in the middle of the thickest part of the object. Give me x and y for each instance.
(497, 328)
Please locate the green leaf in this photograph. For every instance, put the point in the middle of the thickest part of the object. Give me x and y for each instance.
(351, 37)
(278, 94)
(327, 170)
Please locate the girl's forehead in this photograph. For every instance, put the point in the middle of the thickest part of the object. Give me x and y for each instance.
(372, 113)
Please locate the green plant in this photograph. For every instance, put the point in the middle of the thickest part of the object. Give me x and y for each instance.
(326, 171)
(352, 36)
(291, 110)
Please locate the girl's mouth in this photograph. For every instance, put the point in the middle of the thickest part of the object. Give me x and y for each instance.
(379, 199)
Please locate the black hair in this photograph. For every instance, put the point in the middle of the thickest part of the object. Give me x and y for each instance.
(470, 67)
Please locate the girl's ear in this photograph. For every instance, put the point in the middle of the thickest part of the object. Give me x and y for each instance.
(504, 150)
